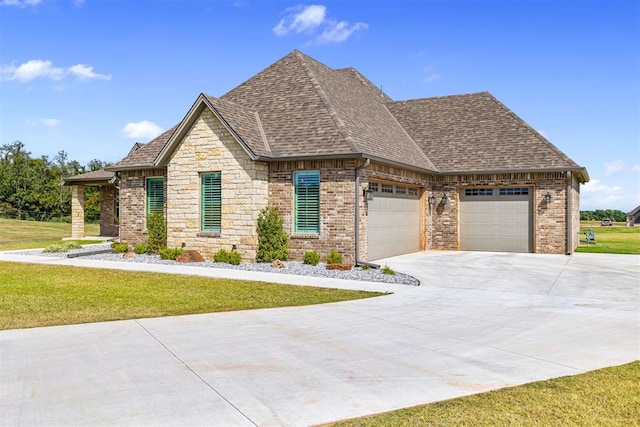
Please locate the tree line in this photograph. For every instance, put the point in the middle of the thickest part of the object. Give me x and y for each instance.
(600, 214)
(31, 187)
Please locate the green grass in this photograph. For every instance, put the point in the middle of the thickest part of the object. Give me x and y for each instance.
(611, 240)
(20, 234)
(606, 397)
(45, 295)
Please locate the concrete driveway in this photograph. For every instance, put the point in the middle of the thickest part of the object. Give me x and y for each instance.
(479, 321)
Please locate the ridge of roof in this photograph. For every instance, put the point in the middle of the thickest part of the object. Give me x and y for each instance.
(302, 58)
(145, 156)
(354, 73)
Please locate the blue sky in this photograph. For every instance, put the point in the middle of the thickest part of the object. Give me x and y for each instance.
(92, 77)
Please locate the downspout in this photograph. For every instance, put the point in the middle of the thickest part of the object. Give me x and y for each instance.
(357, 222)
(569, 213)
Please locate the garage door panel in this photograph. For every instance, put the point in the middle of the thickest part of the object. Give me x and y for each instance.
(491, 221)
(393, 226)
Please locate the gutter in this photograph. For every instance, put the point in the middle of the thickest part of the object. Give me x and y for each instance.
(357, 219)
(569, 214)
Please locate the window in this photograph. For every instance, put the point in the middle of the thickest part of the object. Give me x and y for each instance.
(514, 191)
(401, 189)
(155, 196)
(373, 186)
(307, 201)
(387, 188)
(413, 191)
(211, 202)
(478, 192)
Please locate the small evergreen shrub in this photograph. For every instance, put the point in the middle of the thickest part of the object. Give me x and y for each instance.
(62, 247)
(364, 267)
(221, 256)
(311, 258)
(234, 258)
(170, 253)
(334, 257)
(140, 248)
(387, 270)
(119, 248)
(272, 240)
(157, 233)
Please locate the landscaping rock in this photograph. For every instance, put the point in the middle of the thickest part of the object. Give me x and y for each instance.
(344, 267)
(277, 264)
(128, 255)
(190, 256)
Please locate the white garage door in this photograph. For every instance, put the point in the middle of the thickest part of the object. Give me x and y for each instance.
(393, 221)
(496, 219)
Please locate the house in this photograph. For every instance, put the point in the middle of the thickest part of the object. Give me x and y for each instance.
(349, 169)
(633, 217)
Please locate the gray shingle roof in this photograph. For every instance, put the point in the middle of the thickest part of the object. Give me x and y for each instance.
(476, 132)
(89, 177)
(300, 108)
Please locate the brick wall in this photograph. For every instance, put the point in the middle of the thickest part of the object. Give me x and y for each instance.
(133, 223)
(108, 221)
(549, 220)
(209, 147)
(337, 206)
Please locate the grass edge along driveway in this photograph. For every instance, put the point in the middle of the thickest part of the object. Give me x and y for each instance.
(46, 295)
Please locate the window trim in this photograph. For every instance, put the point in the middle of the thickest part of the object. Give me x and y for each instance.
(147, 204)
(213, 229)
(305, 229)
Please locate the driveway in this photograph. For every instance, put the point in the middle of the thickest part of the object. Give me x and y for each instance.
(479, 321)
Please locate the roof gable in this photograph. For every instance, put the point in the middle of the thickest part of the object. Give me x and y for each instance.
(477, 133)
(145, 156)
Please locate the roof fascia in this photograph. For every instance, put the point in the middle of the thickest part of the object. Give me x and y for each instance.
(580, 170)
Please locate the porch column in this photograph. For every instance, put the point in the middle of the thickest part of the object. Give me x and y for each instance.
(77, 211)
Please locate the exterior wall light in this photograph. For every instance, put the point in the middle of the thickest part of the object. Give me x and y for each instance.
(445, 198)
(547, 198)
(368, 194)
(432, 200)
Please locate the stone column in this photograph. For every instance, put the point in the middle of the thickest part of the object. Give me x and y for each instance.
(77, 211)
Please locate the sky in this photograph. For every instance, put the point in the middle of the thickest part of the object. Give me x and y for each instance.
(92, 77)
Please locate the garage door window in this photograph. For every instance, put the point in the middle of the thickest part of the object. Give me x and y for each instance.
(478, 192)
(307, 201)
(514, 191)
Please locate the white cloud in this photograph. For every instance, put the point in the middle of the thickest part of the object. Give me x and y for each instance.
(597, 195)
(37, 68)
(614, 167)
(144, 129)
(20, 3)
(307, 19)
(48, 122)
(431, 76)
(86, 72)
(337, 32)
(301, 18)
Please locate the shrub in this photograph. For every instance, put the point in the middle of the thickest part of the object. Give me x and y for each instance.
(364, 267)
(334, 257)
(119, 248)
(234, 258)
(311, 258)
(140, 248)
(170, 253)
(272, 240)
(387, 270)
(221, 256)
(62, 247)
(157, 233)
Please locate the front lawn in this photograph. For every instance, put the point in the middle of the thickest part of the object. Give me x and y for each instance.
(610, 240)
(44, 295)
(21, 234)
(606, 397)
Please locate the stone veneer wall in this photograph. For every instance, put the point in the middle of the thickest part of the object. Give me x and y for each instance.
(133, 222)
(209, 147)
(337, 206)
(77, 209)
(549, 220)
(108, 220)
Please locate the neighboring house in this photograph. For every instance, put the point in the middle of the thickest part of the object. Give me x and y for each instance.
(349, 169)
(633, 217)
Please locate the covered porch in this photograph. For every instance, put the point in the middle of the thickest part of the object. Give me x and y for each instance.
(107, 182)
